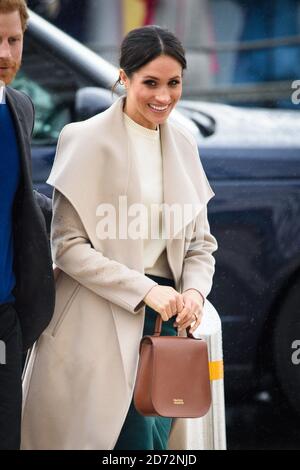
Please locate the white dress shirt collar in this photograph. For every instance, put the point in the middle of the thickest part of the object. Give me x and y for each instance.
(2, 94)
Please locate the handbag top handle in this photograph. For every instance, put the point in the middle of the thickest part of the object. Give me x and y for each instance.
(158, 325)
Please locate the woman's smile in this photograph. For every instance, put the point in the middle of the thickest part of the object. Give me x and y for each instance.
(158, 109)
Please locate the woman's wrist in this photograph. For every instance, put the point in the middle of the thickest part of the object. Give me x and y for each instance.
(195, 291)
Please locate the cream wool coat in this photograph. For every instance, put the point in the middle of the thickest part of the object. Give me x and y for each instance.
(79, 381)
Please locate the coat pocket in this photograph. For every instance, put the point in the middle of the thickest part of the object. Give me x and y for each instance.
(67, 290)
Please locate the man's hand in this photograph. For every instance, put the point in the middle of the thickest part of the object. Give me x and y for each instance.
(45, 204)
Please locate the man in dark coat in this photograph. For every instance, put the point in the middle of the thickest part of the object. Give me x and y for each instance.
(26, 279)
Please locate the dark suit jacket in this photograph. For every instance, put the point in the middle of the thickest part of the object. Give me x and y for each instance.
(35, 290)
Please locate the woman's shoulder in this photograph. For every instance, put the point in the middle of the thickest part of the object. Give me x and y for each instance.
(99, 125)
(83, 127)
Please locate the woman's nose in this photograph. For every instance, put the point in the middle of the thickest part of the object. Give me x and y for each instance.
(163, 97)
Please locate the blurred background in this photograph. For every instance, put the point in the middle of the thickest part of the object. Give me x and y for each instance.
(239, 51)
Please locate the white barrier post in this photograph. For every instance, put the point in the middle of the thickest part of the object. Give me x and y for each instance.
(208, 432)
(213, 423)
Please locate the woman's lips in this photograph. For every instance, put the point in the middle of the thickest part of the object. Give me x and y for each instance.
(158, 109)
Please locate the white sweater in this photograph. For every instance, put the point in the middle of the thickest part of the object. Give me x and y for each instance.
(145, 148)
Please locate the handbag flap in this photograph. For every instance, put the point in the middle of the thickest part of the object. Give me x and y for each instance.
(180, 377)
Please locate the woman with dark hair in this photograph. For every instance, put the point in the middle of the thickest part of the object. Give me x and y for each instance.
(131, 237)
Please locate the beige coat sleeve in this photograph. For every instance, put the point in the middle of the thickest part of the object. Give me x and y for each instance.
(73, 253)
(199, 263)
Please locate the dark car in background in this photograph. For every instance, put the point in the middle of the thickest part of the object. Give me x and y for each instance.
(252, 159)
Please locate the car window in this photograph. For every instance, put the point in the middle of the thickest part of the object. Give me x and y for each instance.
(50, 114)
(52, 86)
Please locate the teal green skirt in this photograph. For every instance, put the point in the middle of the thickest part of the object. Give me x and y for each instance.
(147, 432)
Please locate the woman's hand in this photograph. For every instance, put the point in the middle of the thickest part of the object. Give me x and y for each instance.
(192, 311)
(164, 300)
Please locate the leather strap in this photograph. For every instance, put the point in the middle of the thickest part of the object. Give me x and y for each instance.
(158, 326)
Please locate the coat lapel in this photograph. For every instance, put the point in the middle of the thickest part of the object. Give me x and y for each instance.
(185, 188)
(179, 190)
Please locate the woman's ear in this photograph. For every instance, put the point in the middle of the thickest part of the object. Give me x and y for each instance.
(123, 78)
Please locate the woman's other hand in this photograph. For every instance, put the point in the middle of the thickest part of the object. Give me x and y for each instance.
(164, 300)
(192, 312)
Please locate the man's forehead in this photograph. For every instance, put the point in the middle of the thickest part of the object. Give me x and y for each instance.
(11, 20)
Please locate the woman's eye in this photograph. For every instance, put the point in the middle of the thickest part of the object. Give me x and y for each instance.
(150, 83)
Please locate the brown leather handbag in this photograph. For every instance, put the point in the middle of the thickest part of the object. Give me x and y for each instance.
(173, 376)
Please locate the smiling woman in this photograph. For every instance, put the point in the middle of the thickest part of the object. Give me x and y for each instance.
(111, 289)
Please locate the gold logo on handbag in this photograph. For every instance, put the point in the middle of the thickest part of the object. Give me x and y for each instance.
(168, 366)
(178, 401)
